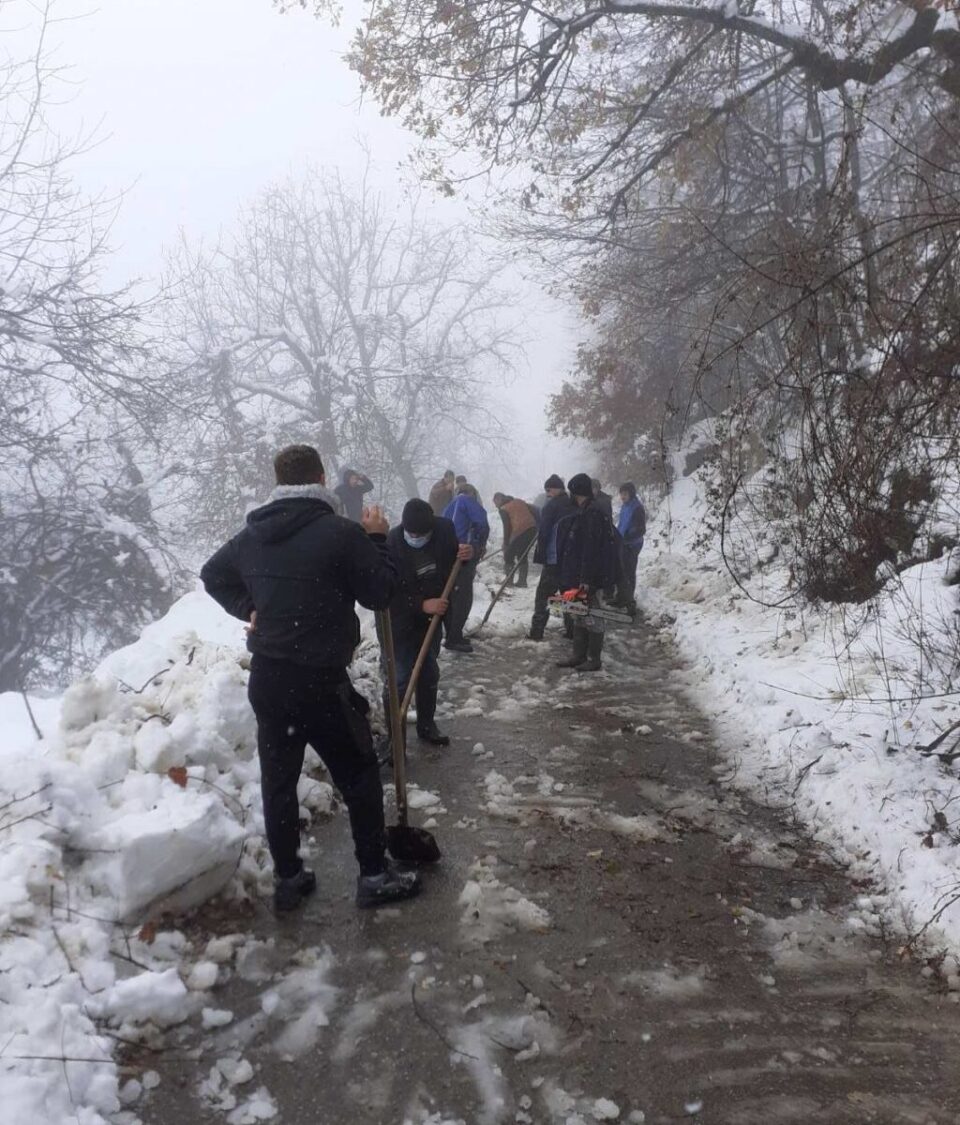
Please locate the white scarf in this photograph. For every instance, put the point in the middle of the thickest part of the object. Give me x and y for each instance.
(305, 492)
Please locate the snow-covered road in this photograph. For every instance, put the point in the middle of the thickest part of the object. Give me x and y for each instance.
(615, 933)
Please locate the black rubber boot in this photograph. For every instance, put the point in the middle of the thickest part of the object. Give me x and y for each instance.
(391, 885)
(289, 893)
(427, 730)
(579, 654)
(535, 635)
(594, 648)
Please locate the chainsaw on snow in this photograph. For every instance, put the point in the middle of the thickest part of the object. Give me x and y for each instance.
(574, 603)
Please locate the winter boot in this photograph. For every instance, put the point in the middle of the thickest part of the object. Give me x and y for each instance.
(391, 885)
(535, 635)
(594, 648)
(289, 893)
(461, 645)
(427, 730)
(579, 654)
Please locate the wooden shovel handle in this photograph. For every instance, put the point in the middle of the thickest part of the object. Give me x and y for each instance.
(427, 640)
(395, 723)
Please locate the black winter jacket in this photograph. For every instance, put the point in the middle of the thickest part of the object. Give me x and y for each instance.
(422, 573)
(351, 495)
(302, 569)
(555, 509)
(589, 550)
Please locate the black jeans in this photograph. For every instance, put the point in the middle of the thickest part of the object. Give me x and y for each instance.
(295, 705)
(548, 585)
(519, 548)
(628, 580)
(461, 602)
(407, 640)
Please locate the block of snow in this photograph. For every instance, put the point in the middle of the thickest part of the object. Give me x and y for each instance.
(202, 976)
(215, 1017)
(154, 852)
(159, 998)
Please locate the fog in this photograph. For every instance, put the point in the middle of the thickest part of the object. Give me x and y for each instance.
(196, 107)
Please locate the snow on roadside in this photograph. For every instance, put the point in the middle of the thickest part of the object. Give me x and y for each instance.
(828, 724)
(143, 795)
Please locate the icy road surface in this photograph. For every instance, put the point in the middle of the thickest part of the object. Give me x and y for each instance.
(614, 934)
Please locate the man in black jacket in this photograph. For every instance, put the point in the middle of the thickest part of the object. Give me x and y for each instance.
(589, 552)
(559, 507)
(352, 488)
(424, 548)
(295, 573)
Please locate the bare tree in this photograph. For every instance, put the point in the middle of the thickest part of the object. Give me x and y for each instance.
(335, 317)
(80, 559)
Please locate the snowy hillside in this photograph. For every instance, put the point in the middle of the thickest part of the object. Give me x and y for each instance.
(841, 718)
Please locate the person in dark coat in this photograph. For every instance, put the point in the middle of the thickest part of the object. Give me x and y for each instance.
(558, 508)
(424, 548)
(442, 493)
(632, 526)
(352, 488)
(520, 521)
(604, 499)
(295, 572)
(470, 522)
(589, 554)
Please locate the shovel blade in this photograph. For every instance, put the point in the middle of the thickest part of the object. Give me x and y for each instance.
(415, 846)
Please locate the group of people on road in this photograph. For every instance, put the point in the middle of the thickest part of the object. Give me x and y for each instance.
(299, 567)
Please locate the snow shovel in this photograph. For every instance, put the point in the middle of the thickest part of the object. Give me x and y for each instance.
(503, 586)
(406, 844)
(427, 641)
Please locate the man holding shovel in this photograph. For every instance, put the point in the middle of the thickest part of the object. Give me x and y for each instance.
(296, 572)
(424, 548)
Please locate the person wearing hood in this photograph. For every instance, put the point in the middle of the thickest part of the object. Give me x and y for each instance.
(296, 572)
(470, 523)
(424, 548)
(559, 507)
(520, 521)
(603, 499)
(442, 493)
(351, 490)
(589, 561)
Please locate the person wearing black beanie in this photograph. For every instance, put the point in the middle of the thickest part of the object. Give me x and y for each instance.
(424, 548)
(580, 485)
(558, 507)
(588, 554)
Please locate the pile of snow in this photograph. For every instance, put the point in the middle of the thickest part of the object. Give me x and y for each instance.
(143, 795)
(831, 719)
(491, 908)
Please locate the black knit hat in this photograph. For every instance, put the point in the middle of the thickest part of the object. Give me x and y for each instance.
(580, 485)
(552, 481)
(418, 517)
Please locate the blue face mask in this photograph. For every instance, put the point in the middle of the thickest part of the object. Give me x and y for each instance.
(417, 541)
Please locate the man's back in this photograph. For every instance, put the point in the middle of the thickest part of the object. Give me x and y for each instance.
(302, 569)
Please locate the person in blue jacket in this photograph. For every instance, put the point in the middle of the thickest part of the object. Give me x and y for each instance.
(632, 525)
(470, 523)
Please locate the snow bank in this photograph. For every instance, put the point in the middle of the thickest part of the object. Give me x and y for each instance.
(829, 718)
(143, 795)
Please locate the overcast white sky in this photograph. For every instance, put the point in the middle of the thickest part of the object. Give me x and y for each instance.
(201, 103)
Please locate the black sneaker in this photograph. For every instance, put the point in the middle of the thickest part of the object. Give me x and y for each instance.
(289, 893)
(389, 886)
(459, 646)
(433, 735)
